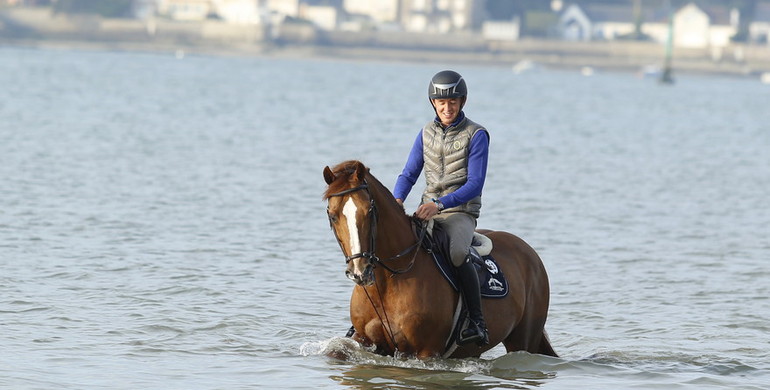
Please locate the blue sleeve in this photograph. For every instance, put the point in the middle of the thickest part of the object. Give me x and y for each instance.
(477, 172)
(411, 171)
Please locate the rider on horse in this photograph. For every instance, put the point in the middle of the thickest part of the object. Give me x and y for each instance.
(453, 152)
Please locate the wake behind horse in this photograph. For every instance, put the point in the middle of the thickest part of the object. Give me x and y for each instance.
(401, 304)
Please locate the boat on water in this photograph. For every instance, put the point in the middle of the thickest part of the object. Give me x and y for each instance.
(524, 66)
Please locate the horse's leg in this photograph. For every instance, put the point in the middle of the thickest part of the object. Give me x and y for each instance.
(529, 333)
(521, 338)
(545, 346)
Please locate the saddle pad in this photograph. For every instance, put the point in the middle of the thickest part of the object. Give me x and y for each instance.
(491, 279)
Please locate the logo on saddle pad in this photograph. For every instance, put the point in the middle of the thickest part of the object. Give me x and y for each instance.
(495, 285)
(491, 266)
(492, 283)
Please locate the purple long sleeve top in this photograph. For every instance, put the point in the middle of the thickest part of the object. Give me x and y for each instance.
(477, 171)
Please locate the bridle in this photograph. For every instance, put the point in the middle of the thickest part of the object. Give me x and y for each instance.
(372, 259)
(370, 256)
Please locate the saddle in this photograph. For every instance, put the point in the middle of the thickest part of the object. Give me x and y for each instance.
(492, 282)
(491, 279)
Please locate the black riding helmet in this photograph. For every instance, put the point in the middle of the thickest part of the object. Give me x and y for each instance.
(447, 84)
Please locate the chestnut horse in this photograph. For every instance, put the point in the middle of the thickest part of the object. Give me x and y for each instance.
(401, 304)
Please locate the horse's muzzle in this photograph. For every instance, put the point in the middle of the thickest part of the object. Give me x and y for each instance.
(364, 278)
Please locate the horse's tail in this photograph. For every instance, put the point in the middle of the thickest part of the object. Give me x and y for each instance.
(545, 346)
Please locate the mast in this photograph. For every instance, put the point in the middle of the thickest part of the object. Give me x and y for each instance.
(637, 19)
(665, 77)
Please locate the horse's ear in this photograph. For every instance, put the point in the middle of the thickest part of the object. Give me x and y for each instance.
(329, 175)
(361, 171)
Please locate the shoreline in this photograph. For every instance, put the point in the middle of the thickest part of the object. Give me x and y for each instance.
(552, 60)
(40, 29)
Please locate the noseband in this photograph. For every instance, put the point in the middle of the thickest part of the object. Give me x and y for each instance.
(370, 256)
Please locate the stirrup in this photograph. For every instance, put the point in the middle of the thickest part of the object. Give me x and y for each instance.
(351, 331)
(479, 335)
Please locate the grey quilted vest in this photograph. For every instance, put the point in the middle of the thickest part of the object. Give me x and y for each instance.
(446, 162)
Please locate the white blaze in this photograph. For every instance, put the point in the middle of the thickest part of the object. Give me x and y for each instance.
(350, 214)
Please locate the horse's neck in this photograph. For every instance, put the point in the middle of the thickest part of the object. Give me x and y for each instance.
(394, 231)
(395, 236)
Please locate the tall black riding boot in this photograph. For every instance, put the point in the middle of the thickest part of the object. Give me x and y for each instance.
(477, 328)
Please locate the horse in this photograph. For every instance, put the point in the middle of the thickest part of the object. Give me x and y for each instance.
(401, 305)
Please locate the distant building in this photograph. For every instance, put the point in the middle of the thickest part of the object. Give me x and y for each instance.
(238, 11)
(759, 29)
(144, 9)
(185, 10)
(441, 16)
(325, 17)
(379, 11)
(599, 21)
(282, 8)
(575, 25)
(695, 27)
(495, 30)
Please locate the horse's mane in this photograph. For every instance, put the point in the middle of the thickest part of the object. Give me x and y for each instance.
(379, 188)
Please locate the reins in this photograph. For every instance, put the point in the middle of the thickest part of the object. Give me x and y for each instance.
(371, 256)
(374, 260)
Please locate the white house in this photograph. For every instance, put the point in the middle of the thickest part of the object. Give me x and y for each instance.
(441, 16)
(694, 27)
(380, 11)
(238, 11)
(231, 11)
(596, 22)
(185, 10)
(759, 29)
(495, 30)
(324, 17)
(574, 24)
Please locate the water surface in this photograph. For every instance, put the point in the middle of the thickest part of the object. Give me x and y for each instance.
(161, 223)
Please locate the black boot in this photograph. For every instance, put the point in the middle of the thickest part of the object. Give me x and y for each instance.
(477, 328)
